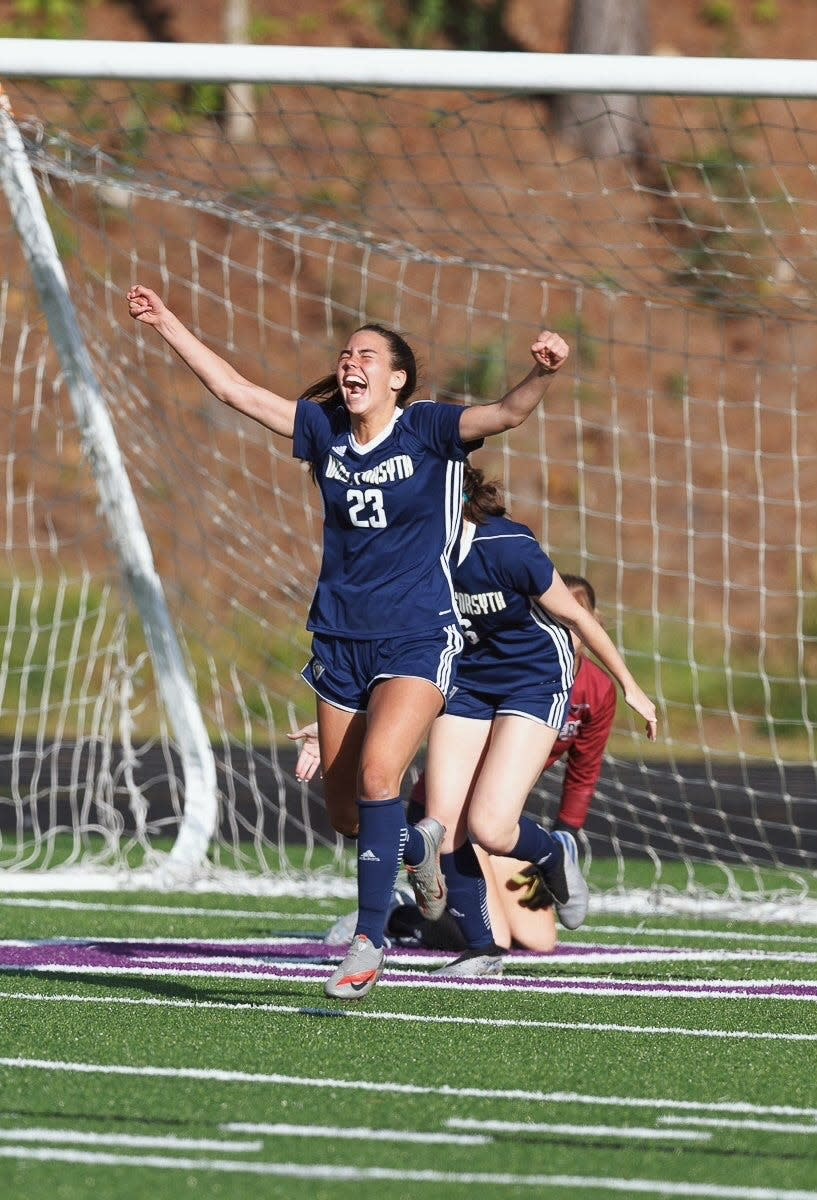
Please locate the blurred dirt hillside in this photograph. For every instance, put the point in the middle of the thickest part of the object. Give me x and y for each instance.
(746, 28)
(682, 313)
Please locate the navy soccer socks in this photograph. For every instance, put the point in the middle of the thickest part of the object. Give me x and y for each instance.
(380, 843)
(536, 845)
(468, 896)
(415, 847)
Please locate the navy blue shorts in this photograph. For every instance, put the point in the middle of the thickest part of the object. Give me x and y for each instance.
(343, 671)
(536, 704)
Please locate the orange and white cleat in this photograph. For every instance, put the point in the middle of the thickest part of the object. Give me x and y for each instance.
(359, 971)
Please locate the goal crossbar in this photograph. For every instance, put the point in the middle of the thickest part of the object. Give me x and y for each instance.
(479, 70)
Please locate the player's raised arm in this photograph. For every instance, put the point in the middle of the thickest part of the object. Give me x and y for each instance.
(269, 409)
(550, 353)
(562, 605)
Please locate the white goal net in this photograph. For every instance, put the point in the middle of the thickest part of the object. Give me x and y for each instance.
(674, 465)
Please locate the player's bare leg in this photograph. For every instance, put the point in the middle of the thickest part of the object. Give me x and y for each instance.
(456, 748)
(340, 735)
(398, 717)
(514, 759)
(517, 753)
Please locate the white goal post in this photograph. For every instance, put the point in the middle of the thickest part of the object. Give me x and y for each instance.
(676, 465)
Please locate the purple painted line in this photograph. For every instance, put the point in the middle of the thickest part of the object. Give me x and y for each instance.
(676, 989)
(307, 962)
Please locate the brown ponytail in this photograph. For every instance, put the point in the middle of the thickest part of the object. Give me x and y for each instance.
(482, 498)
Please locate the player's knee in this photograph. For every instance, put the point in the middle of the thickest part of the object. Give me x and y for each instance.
(343, 812)
(378, 781)
(487, 834)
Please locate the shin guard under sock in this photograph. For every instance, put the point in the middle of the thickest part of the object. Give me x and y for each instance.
(380, 843)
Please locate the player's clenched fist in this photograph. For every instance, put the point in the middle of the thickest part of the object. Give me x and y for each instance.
(550, 351)
(144, 305)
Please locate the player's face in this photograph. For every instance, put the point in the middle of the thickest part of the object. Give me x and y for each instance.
(365, 376)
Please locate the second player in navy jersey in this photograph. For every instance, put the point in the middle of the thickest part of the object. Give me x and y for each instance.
(510, 701)
(515, 646)
(385, 633)
(518, 915)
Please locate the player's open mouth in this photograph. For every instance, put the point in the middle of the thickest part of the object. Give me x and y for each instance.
(354, 384)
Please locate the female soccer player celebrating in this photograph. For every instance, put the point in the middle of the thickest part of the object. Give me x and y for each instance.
(507, 720)
(521, 911)
(509, 704)
(385, 629)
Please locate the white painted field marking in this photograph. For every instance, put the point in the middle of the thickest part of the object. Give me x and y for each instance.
(566, 956)
(350, 1174)
(165, 910)
(662, 932)
(626, 931)
(133, 1141)
(610, 956)
(348, 1133)
(215, 1075)
(558, 984)
(583, 1131)
(726, 1123)
(362, 1015)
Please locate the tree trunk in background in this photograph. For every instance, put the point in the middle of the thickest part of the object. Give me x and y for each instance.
(605, 125)
(239, 100)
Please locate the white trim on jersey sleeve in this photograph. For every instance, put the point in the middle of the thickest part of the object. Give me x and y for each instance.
(498, 537)
(561, 641)
(467, 540)
(454, 475)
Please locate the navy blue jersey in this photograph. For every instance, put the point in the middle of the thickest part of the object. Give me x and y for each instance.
(392, 513)
(510, 641)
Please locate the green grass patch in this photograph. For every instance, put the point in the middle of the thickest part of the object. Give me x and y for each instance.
(589, 1092)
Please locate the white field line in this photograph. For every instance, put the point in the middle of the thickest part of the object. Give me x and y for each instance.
(618, 952)
(350, 1174)
(731, 935)
(269, 944)
(642, 1133)
(566, 985)
(589, 930)
(725, 1123)
(606, 957)
(613, 954)
(215, 1075)
(348, 1133)
(165, 910)
(641, 902)
(423, 1019)
(396, 957)
(133, 1141)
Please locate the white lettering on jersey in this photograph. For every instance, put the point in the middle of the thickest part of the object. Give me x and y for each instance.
(399, 467)
(478, 603)
(336, 470)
